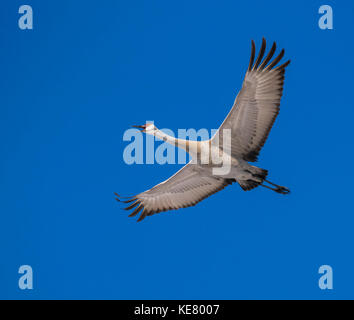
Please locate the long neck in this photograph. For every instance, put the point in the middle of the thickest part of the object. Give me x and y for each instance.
(187, 145)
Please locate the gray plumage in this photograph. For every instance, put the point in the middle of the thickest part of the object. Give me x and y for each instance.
(250, 121)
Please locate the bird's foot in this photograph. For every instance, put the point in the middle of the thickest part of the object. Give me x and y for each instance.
(282, 190)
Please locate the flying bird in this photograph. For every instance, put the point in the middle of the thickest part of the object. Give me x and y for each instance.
(245, 131)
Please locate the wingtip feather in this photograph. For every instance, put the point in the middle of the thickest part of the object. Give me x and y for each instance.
(253, 53)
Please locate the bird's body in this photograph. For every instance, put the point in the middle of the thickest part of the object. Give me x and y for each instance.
(224, 159)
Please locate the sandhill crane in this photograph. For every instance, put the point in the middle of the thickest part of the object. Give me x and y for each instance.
(249, 121)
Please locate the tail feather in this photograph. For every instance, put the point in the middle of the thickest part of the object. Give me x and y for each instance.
(259, 172)
(247, 185)
(259, 176)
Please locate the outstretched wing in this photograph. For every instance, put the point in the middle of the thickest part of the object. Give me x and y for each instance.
(185, 188)
(256, 106)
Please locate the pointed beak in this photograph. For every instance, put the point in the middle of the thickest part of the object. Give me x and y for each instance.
(142, 128)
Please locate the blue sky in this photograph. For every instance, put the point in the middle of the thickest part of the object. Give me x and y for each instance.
(89, 70)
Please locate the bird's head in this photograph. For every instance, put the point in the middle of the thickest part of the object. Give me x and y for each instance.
(147, 128)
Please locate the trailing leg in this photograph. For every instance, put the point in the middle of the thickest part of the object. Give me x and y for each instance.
(278, 189)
